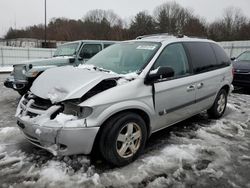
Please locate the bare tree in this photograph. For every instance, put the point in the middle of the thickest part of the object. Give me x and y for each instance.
(229, 27)
(171, 17)
(98, 15)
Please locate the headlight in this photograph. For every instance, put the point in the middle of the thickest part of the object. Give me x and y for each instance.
(79, 111)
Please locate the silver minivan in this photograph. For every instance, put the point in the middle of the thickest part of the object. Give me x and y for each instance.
(124, 94)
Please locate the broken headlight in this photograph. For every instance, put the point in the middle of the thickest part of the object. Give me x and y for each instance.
(79, 111)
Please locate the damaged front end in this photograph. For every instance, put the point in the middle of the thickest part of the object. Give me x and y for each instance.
(44, 125)
(54, 116)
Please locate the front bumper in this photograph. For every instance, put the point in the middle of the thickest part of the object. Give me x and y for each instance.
(241, 80)
(10, 82)
(47, 133)
(59, 141)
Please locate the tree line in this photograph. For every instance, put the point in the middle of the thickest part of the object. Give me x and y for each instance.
(169, 18)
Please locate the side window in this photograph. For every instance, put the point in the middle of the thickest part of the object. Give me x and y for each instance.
(174, 56)
(89, 50)
(221, 56)
(202, 56)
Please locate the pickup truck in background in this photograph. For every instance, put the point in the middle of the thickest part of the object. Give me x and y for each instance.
(70, 53)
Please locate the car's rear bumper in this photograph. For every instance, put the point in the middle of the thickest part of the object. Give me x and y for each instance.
(58, 140)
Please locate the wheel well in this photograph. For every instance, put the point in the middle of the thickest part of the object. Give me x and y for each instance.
(226, 87)
(141, 113)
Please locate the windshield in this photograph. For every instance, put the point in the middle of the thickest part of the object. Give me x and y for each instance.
(126, 57)
(66, 49)
(244, 56)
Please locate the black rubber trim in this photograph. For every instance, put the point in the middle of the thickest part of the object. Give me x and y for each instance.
(185, 105)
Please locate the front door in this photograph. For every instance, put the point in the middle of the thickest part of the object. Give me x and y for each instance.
(175, 97)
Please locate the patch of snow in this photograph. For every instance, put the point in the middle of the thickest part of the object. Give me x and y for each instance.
(56, 94)
(154, 71)
(54, 171)
(86, 66)
(59, 174)
(125, 78)
(2, 148)
(6, 69)
(232, 107)
(64, 118)
(94, 68)
(7, 133)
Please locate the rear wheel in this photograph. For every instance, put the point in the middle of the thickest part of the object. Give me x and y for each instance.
(123, 138)
(219, 106)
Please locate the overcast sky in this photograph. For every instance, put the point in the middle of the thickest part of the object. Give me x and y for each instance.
(22, 13)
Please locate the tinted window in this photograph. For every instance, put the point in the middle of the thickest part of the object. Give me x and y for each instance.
(89, 50)
(202, 56)
(174, 56)
(221, 56)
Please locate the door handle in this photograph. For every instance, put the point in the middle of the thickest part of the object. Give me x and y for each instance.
(190, 88)
(200, 85)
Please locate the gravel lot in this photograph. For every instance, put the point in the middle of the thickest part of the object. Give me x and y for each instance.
(198, 152)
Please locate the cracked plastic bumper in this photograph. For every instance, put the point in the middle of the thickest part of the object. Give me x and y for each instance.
(58, 140)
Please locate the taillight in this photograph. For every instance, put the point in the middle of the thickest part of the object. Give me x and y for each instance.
(233, 70)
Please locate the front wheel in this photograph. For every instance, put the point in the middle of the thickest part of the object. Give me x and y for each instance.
(123, 138)
(219, 106)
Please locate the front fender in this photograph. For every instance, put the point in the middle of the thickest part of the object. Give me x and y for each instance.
(103, 113)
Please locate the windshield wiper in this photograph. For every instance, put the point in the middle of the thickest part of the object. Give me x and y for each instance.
(101, 69)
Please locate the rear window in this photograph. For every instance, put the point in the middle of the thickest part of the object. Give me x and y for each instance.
(202, 56)
(221, 56)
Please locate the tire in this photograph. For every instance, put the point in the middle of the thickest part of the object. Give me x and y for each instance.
(123, 138)
(219, 106)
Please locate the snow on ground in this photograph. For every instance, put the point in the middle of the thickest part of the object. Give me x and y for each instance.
(198, 152)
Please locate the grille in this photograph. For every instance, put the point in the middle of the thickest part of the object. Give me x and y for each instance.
(242, 77)
(34, 106)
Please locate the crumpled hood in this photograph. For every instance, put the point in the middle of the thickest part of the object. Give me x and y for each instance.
(49, 61)
(64, 83)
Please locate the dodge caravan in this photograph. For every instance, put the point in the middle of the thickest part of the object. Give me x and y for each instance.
(124, 94)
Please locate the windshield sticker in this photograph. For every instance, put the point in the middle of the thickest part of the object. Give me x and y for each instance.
(146, 47)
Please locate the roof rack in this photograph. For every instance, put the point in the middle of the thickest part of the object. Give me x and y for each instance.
(159, 34)
(198, 37)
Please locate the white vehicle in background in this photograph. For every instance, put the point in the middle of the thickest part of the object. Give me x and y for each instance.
(124, 94)
(70, 53)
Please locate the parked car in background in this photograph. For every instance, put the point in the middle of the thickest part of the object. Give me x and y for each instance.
(124, 94)
(71, 53)
(241, 66)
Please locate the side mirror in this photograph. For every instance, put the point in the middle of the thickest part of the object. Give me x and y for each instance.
(233, 58)
(159, 73)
